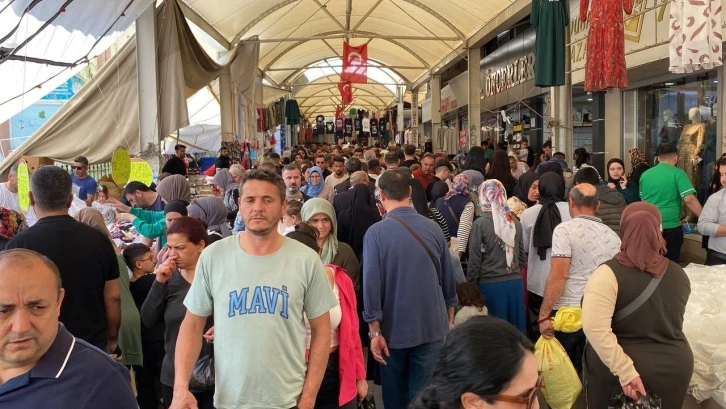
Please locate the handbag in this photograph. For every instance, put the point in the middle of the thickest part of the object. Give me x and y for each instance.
(369, 402)
(621, 401)
(202, 379)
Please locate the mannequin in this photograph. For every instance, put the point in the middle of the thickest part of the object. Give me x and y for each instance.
(690, 149)
(671, 130)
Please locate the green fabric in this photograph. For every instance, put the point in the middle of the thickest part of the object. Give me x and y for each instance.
(631, 192)
(150, 224)
(353, 112)
(550, 19)
(129, 336)
(292, 112)
(314, 207)
(665, 186)
(489, 154)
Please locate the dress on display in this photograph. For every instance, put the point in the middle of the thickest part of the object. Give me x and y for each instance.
(605, 65)
(550, 19)
(690, 148)
(695, 35)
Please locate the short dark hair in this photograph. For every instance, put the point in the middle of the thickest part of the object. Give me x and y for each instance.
(339, 159)
(427, 155)
(667, 149)
(267, 167)
(192, 228)
(320, 157)
(264, 176)
(524, 139)
(274, 155)
(294, 208)
(502, 146)
(135, 252)
(547, 144)
(353, 165)
(51, 187)
(179, 146)
(391, 158)
(374, 164)
(395, 184)
(133, 187)
(359, 150)
(291, 166)
(81, 159)
(22, 256)
(587, 175)
(559, 155)
(409, 150)
(582, 200)
(305, 234)
(442, 162)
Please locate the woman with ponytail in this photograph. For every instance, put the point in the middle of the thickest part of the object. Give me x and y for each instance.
(485, 363)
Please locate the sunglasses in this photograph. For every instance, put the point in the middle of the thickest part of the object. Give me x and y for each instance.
(78, 167)
(528, 400)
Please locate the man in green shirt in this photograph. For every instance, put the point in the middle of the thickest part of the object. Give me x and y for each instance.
(668, 187)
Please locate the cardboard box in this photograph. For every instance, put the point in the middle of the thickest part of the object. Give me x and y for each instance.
(34, 162)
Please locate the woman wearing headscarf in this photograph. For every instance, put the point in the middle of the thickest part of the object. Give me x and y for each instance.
(316, 184)
(174, 187)
(228, 181)
(458, 211)
(616, 180)
(320, 214)
(643, 351)
(476, 180)
(211, 211)
(11, 224)
(355, 216)
(501, 170)
(495, 254)
(476, 160)
(526, 194)
(152, 224)
(129, 337)
(438, 190)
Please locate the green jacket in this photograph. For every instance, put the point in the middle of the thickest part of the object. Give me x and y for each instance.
(129, 336)
(150, 224)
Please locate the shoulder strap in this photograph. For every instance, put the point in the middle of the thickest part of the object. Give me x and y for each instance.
(638, 301)
(418, 239)
(451, 211)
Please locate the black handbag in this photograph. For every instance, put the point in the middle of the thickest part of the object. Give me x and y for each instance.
(202, 379)
(368, 403)
(621, 401)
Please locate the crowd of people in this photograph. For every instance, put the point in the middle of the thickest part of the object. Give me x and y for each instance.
(445, 272)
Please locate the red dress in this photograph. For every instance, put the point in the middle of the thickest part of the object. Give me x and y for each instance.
(605, 65)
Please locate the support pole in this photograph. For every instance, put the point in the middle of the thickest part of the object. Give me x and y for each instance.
(414, 119)
(149, 131)
(561, 111)
(474, 130)
(435, 105)
(226, 105)
(401, 91)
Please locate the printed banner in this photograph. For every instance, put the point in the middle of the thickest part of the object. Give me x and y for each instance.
(355, 64)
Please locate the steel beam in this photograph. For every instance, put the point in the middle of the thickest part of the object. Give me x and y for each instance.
(390, 67)
(343, 35)
(204, 25)
(329, 14)
(367, 15)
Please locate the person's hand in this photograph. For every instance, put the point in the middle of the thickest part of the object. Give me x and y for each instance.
(634, 388)
(165, 270)
(546, 329)
(112, 347)
(611, 185)
(183, 399)
(378, 347)
(451, 325)
(362, 387)
(305, 403)
(623, 182)
(209, 335)
(125, 217)
(118, 205)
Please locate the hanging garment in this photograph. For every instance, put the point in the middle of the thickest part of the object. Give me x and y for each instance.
(292, 112)
(605, 66)
(550, 19)
(695, 35)
(261, 120)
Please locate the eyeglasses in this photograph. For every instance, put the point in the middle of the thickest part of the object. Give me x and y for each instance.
(523, 400)
(150, 258)
(78, 167)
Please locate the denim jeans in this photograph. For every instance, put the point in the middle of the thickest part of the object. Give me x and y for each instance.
(406, 372)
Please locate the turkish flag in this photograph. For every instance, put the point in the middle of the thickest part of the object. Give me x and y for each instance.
(346, 92)
(355, 64)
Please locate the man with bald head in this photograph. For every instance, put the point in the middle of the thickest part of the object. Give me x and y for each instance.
(579, 246)
(41, 364)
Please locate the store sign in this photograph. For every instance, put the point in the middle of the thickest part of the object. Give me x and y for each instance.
(455, 91)
(517, 72)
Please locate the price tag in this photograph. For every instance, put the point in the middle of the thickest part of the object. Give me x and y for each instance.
(23, 187)
(120, 166)
(141, 172)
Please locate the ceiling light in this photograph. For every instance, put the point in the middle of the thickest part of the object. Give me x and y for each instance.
(715, 81)
(589, 99)
(668, 84)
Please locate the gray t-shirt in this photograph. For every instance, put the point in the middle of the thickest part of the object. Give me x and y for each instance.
(258, 304)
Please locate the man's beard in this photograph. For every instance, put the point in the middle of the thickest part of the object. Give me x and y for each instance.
(293, 190)
(261, 232)
(339, 172)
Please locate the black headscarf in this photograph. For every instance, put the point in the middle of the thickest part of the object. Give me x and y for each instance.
(610, 162)
(440, 189)
(356, 217)
(549, 166)
(521, 190)
(551, 192)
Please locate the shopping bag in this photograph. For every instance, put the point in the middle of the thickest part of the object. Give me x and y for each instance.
(568, 319)
(202, 379)
(560, 383)
(621, 401)
(368, 403)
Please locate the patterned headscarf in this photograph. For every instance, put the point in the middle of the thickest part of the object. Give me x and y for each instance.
(476, 178)
(462, 186)
(637, 157)
(11, 223)
(493, 199)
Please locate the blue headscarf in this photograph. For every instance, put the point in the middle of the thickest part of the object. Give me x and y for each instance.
(314, 190)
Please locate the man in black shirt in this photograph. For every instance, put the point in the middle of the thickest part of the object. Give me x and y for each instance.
(84, 255)
(176, 165)
(223, 161)
(410, 152)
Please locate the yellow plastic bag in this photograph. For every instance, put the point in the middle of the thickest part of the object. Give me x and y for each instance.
(560, 382)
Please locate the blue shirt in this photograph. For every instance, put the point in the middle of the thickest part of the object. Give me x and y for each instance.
(86, 186)
(72, 374)
(403, 289)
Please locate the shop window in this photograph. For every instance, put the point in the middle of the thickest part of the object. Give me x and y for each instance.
(683, 113)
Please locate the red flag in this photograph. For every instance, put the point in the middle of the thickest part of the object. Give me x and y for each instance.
(338, 111)
(355, 64)
(346, 92)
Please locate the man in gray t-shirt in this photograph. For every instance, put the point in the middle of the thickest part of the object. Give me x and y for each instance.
(257, 285)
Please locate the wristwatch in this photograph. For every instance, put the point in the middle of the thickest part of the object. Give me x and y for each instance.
(372, 335)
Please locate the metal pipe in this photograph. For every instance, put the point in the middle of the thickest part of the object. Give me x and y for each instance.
(342, 35)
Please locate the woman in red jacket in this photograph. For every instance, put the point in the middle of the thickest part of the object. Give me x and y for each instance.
(345, 377)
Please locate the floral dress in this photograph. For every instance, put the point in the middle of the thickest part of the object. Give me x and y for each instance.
(605, 67)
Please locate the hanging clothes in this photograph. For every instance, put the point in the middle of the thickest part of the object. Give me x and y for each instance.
(605, 67)
(550, 19)
(695, 35)
(292, 112)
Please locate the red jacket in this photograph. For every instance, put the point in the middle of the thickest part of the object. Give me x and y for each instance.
(349, 347)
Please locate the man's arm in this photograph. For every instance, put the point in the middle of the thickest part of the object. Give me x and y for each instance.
(188, 346)
(318, 360)
(555, 285)
(112, 301)
(693, 204)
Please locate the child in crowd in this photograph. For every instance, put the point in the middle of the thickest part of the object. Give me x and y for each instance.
(471, 301)
(292, 217)
(102, 205)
